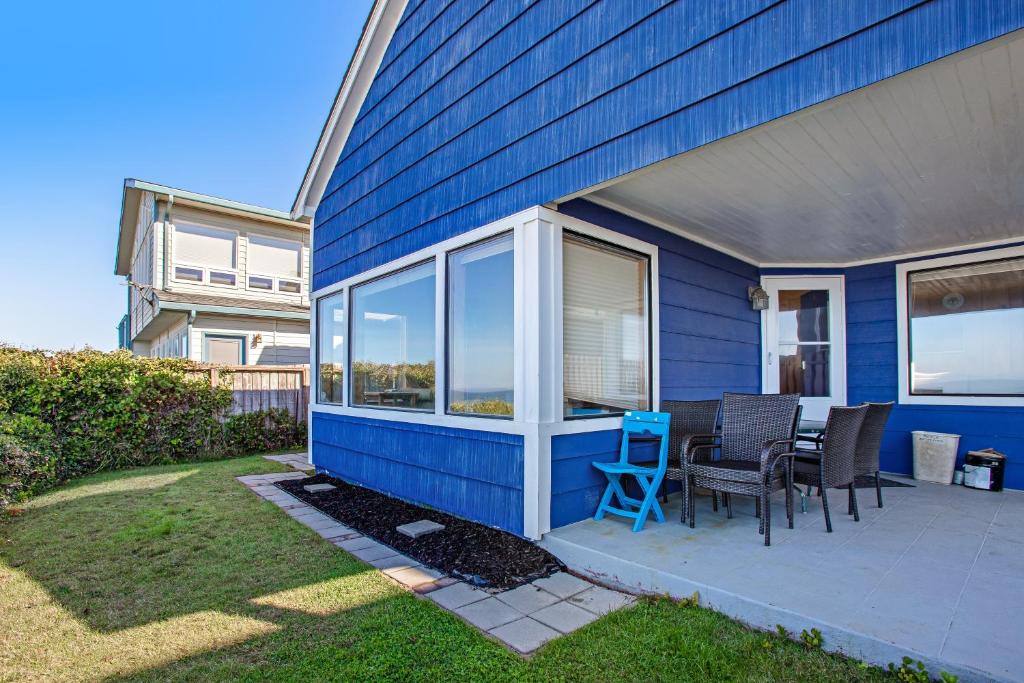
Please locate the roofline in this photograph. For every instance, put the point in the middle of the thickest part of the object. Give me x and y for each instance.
(232, 310)
(362, 68)
(178, 193)
(133, 189)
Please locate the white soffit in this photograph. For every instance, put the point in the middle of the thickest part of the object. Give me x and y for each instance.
(927, 160)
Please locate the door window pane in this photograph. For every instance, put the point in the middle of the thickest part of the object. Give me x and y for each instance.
(803, 315)
(330, 350)
(480, 328)
(224, 350)
(804, 369)
(967, 329)
(803, 335)
(393, 340)
(605, 329)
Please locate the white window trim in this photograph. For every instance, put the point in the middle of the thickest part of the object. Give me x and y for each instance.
(537, 344)
(275, 284)
(276, 279)
(903, 336)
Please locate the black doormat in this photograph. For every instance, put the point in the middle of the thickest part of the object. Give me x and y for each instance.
(477, 554)
(867, 481)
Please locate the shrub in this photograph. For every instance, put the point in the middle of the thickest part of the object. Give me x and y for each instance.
(267, 430)
(72, 413)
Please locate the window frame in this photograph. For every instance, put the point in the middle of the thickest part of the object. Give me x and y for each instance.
(351, 319)
(649, 296)
(447, 321)
(903, 337)
(341, 294)
(205, 270)
(275, 280)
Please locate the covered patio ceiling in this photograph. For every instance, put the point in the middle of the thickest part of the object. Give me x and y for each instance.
(928, 160)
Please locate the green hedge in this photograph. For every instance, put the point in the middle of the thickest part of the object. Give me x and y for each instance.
(66, 414)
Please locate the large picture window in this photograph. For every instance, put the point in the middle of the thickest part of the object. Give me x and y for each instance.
(199, 245)
(330, 351)
(605, 335)
(480, 328)
(966, 327)
(393, 340)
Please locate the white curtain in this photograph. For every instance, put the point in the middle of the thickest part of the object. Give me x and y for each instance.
(267, 256)
(605, 327)
(202, 246)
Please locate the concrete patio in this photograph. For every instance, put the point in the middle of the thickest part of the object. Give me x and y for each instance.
(937, 574)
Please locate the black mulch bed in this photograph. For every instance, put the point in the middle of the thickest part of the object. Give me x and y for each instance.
(469, 551)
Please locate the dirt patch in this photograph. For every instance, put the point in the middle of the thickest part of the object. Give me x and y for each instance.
(472, 552)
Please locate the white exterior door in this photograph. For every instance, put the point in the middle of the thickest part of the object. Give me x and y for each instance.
(803, 347)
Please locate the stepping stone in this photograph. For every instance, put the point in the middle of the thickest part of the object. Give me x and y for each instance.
(317, 488)
(457, 595)
(487, 614)
(358, 543)
(600, 600)
(563, 584)
(525, 635)
(564, 616)
(420, 528)
(413, 576)
(374, 552)
(394, 562)
(527, 599)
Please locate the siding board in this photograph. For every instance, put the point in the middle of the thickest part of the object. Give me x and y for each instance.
(598, 123)
(472, 474)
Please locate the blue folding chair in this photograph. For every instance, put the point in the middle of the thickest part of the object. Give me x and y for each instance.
(649, 478)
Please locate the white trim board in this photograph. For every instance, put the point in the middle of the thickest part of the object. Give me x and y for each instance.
(903, 336)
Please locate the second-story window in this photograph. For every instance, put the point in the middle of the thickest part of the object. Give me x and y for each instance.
(274, 265)
(205, 255)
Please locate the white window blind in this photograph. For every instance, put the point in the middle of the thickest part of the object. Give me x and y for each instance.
(202, 246)
(268, 256)
(605, 329)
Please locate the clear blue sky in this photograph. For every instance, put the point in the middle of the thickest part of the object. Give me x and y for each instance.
(225, 98)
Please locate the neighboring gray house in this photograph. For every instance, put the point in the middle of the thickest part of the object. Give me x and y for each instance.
(212, 280)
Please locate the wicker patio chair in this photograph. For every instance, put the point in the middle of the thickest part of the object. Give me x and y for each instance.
(758, 432)
(869, 443)
(693, 422)
(833, 466)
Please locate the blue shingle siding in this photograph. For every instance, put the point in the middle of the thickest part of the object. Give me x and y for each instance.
(472, 474)
(483, 110)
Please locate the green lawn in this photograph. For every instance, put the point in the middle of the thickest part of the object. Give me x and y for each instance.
(180, 573)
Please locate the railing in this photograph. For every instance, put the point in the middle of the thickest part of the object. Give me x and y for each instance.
(259, 387)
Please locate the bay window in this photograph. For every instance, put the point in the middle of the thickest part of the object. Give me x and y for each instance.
(966, 329)
(480, 328)
(393, 340)
(606, 328)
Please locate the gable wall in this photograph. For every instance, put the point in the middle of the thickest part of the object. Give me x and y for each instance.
(482, 109)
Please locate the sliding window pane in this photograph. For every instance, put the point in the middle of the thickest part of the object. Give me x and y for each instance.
(330, 352)
(393, 340)
(480, 328)
(967, 330)
(606, 343)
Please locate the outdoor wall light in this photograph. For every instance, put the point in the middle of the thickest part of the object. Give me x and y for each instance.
(758, 298)
(257, 340)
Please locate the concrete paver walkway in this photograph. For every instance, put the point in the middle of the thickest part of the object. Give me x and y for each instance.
(523, 618)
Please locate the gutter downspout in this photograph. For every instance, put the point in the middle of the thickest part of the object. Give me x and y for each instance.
(190, 318)
(167, 220)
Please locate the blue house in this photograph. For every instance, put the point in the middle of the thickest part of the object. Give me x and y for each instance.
(533, 215)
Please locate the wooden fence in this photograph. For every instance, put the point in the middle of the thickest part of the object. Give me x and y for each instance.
(259, 387)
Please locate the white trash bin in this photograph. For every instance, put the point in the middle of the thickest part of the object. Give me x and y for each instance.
(935, 456)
